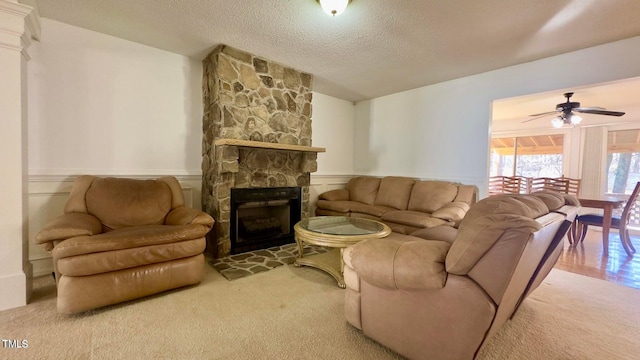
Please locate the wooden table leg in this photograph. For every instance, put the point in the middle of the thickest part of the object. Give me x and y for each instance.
(572, 233)
(606, 225)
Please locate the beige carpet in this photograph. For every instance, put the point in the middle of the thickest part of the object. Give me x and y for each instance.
(297, 313)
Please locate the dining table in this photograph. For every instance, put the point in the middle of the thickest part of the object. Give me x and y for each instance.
(608, 203)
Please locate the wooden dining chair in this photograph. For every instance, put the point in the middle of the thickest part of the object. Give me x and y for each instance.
(573, 185)
(584, 221)
(505, 185)
(548, 183)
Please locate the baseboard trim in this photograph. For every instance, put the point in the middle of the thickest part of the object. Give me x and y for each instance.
(42, 266)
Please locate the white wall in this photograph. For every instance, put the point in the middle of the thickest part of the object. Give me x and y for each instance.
(333, 128)
(107, 106)
(442, 131)
(103, 105)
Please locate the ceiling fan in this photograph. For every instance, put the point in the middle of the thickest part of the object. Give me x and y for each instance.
(567, 116)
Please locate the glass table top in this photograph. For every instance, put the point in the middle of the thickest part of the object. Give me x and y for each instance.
(341, 225)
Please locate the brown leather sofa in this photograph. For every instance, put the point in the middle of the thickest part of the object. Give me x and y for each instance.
(122, 239)
(445, 294)
(404, 204)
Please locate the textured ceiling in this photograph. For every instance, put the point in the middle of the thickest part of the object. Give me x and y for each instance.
(376, 47)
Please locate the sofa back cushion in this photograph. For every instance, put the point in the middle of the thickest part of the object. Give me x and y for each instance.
(526, 205)
(120, 203)
(363, 189)
(552, 199)
(489, 220)
(467, 194)
(429, 196)
(395, 192)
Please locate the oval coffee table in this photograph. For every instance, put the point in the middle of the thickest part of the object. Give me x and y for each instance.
(336, 232)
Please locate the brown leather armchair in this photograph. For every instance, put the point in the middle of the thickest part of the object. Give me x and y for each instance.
(121, 239)
(443, 294)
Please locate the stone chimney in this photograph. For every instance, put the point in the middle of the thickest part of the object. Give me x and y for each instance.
(256, 132)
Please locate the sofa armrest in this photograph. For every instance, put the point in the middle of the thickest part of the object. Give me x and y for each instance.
(185, 216)
(67, 226)
(400, 264)
(453, 211)
(335, 195)
(446, 233)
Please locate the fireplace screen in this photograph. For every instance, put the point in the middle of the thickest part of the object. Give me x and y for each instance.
(263, 217)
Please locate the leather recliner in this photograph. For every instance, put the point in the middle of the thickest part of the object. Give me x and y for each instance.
(442, 293)
(121, 239)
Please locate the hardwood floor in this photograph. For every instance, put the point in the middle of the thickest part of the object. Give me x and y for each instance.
(586, 259)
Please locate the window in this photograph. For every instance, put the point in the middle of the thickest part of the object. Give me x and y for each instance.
(623, 161)
(528, 156)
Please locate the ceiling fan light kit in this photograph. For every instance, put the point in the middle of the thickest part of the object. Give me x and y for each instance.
(575, 119)
(557, 122)
(567, 115)
(561, 120)
(334, 7)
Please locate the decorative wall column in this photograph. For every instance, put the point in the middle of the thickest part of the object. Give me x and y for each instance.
(593, 161)
(18, 25)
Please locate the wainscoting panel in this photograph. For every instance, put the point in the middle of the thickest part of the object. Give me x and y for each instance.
(49, 194)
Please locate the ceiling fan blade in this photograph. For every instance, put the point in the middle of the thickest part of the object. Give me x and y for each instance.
(598, 111)
(545, 113)
(589, 108)
(538, 116)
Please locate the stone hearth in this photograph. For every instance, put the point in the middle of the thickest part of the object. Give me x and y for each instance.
(256, 133)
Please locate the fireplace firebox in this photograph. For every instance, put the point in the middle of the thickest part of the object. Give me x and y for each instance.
(263, 217)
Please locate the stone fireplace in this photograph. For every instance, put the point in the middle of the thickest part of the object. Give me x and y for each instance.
(256, 134)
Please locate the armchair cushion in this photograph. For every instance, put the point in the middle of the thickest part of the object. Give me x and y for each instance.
(109, 261)
(127, 238)
(401, 264)
(185, 215)
(120, 203)
(67, 226)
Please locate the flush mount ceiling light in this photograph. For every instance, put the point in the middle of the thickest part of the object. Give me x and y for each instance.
(334, 7)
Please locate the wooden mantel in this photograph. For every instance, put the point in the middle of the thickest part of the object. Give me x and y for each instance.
(267, 145)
